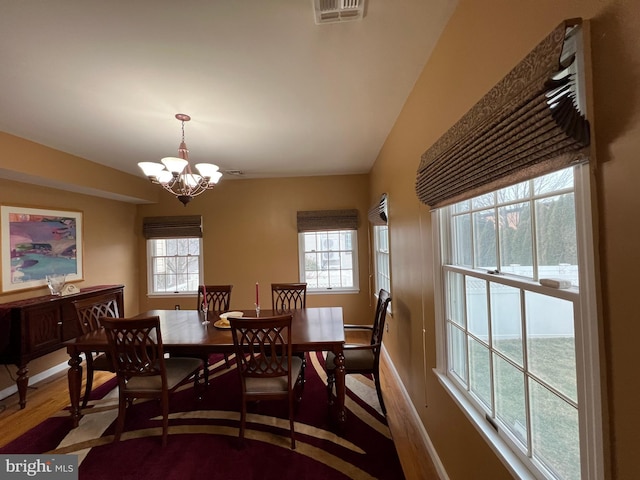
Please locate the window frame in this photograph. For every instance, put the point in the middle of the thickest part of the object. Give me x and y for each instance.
(586, 331)
(382, 276)
(151, 273)
(355, 288)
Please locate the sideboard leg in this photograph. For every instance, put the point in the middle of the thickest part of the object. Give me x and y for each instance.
(74, 377)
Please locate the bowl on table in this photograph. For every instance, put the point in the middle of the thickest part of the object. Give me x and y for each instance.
(224, 319)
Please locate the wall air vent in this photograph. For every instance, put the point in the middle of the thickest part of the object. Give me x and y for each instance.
(332, 11)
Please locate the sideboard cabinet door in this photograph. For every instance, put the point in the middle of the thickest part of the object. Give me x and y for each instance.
(44, 328)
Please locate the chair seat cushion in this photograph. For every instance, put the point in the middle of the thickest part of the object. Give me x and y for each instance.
(358, 359)
(274, 384)
(178, 370)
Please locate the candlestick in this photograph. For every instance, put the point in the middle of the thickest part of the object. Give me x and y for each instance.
(257, 294)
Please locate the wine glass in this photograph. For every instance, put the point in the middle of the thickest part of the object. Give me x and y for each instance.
(205, 313)
(56, 283)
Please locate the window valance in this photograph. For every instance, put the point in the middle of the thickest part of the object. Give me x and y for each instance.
(378, 213)
(531, 123)
(172, 227)
(327, 220)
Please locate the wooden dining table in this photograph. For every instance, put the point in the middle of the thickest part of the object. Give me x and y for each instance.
(312, 329)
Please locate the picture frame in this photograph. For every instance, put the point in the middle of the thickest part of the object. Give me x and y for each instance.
(39, 242)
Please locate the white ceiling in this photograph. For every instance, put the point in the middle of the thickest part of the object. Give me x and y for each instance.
(270, 92)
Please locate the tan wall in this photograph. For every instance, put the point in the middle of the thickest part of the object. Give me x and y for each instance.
(250, 236)
(110, 248)
(26, 161)
(481, 43)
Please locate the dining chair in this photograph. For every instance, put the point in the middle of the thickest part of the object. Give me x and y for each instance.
(267, 369)
(88, 313)
(218, 299)
(137, 355)
(363, 359)
(286, 297)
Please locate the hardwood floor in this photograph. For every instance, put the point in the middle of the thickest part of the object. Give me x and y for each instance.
(406, 430)
(48, 397)
(44, 399)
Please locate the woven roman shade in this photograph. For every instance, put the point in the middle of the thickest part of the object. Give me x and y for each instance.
(172, 227)
(528, 125)
(378, 213)
(327, 220)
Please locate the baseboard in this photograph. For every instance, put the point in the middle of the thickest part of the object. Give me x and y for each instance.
(7, 392)
(425, 444)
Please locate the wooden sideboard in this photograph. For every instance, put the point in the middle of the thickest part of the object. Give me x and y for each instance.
(34, 327)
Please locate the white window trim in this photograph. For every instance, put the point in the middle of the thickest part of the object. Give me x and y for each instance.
(376, 271)
(588, 370)
(376, 256)
(151, 293)
(330, 291)
(588, 333)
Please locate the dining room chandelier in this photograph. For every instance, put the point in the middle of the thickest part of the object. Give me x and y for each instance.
(174, 173)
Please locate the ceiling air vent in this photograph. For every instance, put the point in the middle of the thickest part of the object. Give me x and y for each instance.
(332, 11)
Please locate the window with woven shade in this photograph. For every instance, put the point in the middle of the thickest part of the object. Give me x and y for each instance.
(378, 218)
(328, 250)
(174, 254)
(516, 299)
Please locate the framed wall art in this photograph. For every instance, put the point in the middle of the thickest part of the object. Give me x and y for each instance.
(37, 243)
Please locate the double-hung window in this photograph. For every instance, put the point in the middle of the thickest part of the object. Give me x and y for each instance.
(174, 254)
(516, 318)
(328, 250)
(378, 216)
(514, 275)
(174, 265)
(382, 263)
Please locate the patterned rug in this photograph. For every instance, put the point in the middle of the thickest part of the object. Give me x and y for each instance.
(203, 435)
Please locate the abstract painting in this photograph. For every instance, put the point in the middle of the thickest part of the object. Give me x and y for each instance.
(38, 242)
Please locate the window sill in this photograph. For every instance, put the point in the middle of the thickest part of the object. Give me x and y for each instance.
(172, 295)
(509, 459)
(332, 292)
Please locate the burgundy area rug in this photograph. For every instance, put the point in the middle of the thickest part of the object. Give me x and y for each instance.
(203, 435)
